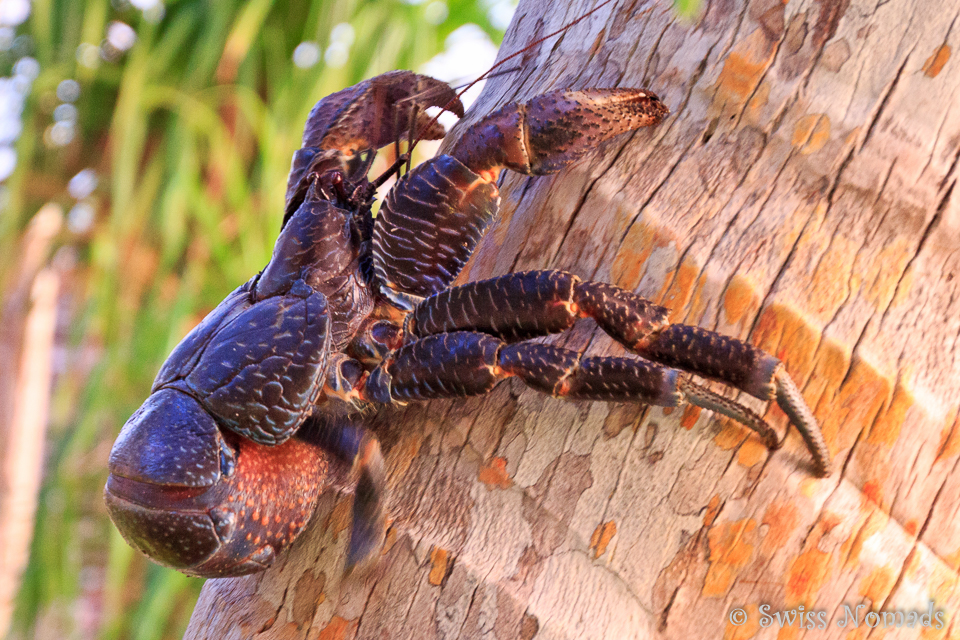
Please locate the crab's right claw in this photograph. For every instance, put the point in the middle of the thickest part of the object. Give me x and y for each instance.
(548, 132)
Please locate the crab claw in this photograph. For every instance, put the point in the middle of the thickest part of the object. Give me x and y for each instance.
(366, 116)
(182, 494)
(550, 131)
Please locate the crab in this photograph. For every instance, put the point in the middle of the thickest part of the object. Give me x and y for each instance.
(221, 467)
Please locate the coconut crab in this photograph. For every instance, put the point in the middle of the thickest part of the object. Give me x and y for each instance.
(220, 468)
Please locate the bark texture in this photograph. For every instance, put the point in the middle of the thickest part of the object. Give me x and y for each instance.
(802, 196)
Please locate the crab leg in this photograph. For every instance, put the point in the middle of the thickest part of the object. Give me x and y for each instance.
(355, 444)
(465, 363)
(535, 303)
(434, 217)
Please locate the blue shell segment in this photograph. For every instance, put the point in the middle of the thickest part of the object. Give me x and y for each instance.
(261, 372)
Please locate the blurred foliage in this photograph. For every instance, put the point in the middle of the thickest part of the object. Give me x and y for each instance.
(190, 133)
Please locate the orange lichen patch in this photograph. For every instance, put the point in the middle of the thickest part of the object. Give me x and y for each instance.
(873, 492)
(642, 239)
(790, 632)
(601, 537)
(942, 582)
(883, 273)
(339, 629)
(904, 289)
(853, 407)
(911, 527)
(439, 561)
(866, 528)
(934, 64)
(740, 299)
(731, 435)
(781, 519)
(754, 111)
(751, 453)
(807, 573)
(784, 333)
(912, 565)
(809, 487)
(886, 428)
(404, 453)
(851, 138)
(389, 540)
(742, 71)
(495, 474)
(731, 547)
(679, 290)
(857, 633)
(746, 630)
(698, 301)
(831, 364)
(811, 133)
(953, 559)
(339, 519)
(830, 285)
(878, 584)
(713, 508)
(949, 438)
(690, 416)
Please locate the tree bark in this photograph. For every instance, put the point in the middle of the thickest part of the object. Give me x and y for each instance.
(801, 196)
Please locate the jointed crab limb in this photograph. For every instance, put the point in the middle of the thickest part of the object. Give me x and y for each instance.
(463, 363)
(353, 443)
(700, 396)
(550, 131)
(522, 305)
(791, 401)
(432, 220)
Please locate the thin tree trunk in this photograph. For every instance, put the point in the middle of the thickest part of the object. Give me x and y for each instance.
(800, 196)
(27, 331)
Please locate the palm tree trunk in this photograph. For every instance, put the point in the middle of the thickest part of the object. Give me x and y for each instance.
(801, 196)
